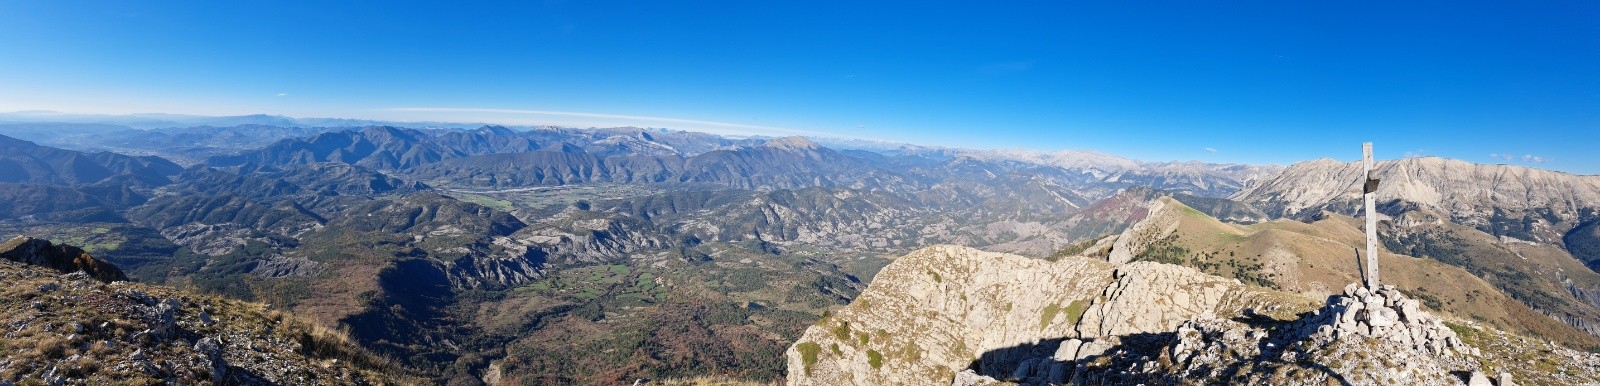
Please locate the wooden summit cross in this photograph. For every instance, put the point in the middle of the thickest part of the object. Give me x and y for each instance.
(1369, 191)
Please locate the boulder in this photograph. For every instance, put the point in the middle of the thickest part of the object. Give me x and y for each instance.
(1478, 379)
(1505, 380)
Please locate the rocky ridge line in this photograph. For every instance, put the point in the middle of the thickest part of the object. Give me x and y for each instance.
(63, 258)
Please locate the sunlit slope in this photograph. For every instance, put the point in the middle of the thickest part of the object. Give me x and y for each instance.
(1318, 258)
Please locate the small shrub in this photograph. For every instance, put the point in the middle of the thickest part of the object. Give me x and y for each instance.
(842, 331)
(875, 359)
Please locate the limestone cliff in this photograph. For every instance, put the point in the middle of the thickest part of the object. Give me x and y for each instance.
(943, 309)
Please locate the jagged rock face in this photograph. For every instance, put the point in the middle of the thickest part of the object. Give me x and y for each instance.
(1526, 203)
(942, 309)
(1151, 297)
(63, 258)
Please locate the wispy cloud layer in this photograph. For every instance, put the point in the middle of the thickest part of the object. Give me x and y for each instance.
(630, 119)
(1528, 158)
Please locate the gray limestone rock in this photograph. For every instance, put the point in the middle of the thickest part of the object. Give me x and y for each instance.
(166, 318)
(1068, 351)
(1478, 379)
(971, 378)
(1382, 317)
(213, 352)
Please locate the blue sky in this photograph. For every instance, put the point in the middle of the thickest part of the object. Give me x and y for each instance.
(1258, 82)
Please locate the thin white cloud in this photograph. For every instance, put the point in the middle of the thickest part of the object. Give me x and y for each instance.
(283, 94)
(749, 129)
(1527, 158)
(1211, 151)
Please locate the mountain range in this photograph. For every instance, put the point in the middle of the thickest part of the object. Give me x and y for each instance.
(600, 256)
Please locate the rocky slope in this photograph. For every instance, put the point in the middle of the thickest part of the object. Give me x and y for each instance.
(944, 309)
(1119, 312)
(1532, 289)
(75, 329)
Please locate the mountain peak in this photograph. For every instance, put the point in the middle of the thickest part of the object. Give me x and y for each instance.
(496, 130)
(793, 143)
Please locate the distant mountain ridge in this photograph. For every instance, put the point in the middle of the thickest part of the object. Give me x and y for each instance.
(27, 162)
(1517, 202)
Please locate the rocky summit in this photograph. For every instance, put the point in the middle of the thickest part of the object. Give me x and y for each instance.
(964, 317)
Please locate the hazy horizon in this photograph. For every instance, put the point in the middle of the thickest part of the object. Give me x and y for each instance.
(1260, 83)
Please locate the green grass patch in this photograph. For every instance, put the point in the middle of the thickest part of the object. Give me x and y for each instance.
(1075, 311)
(1049, 314)
(875, 359)
(808, 354)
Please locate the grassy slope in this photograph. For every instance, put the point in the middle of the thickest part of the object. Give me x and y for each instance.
(1319, 258)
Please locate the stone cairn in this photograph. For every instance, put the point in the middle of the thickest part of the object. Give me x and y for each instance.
(1383, 314)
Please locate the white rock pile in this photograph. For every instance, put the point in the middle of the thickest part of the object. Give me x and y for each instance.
(1384, 314)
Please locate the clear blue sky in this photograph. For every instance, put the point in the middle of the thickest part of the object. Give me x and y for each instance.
(1260, 82)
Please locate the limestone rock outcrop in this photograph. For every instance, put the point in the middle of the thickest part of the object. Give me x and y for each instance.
(1359, 337)
(943, 309)
(961, 316)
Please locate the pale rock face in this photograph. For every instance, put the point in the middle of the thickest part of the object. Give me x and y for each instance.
(1153, 297)
(945, 305)
(939, 310)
